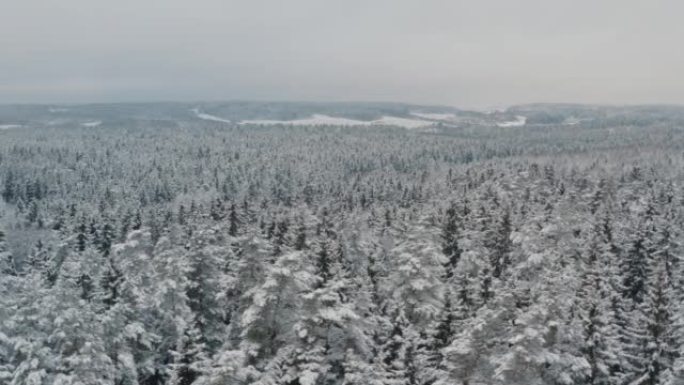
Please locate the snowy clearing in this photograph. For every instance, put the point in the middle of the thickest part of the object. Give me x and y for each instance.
(314, 120)
(212, 118)
(401, 122)
(94, 123)
(571, 121)
(434, 116)
(325, 120)
(518, 122)
(9, 126)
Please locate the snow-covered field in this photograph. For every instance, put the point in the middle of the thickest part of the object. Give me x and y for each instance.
(314, 120)
(401, 122)
(325, 120)
(9, 126)
(518, 122)
(571, 121)
(213, 118)
(94, 123)
(435, 116)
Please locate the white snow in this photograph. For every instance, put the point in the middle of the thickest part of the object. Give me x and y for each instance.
(434, 116)
(94, 123)
(56, 109)
(308, 377)
(204, 116)
(325, 120)
(401, 122)
(571, 121)
(8, 126)
(314, 120)
(55, 122)
(519, 121)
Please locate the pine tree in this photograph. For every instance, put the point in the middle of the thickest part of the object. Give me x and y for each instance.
(206, 253)
(660, 350)
(326, 314)
(601, 348)
(657, 353)
(38, 259)
(106, 237)
(415, 282)
(125, 295)
(110, 283)
(273, 305)
(500, 245)
(227, 367)
(233, 220)
(190, 358)
(7, 263)
(438, 335)
(635, 265)
(359, 371)
(300, 240)
(450, 242)
(81, 236)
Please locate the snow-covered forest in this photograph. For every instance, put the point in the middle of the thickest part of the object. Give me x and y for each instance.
(149, 244)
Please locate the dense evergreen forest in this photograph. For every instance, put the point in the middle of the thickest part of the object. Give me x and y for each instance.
(170, 249)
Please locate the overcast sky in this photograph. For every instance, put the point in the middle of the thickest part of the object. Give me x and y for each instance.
(478, 53)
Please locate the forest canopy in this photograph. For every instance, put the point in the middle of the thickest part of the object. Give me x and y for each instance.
(169, 243)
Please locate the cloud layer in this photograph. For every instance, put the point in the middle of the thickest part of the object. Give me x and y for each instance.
(463, 53)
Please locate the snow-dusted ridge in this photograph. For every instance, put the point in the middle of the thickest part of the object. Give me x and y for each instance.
(9, 126)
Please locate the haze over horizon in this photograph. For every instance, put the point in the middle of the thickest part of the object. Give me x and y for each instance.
(464, 54)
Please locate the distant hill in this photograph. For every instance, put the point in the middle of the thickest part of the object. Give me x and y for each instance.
(339, 113)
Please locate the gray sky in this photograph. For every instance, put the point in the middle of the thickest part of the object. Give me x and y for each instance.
(478, 53)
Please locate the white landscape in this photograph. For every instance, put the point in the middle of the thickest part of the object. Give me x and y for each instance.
(250, 249)
(341, 192)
